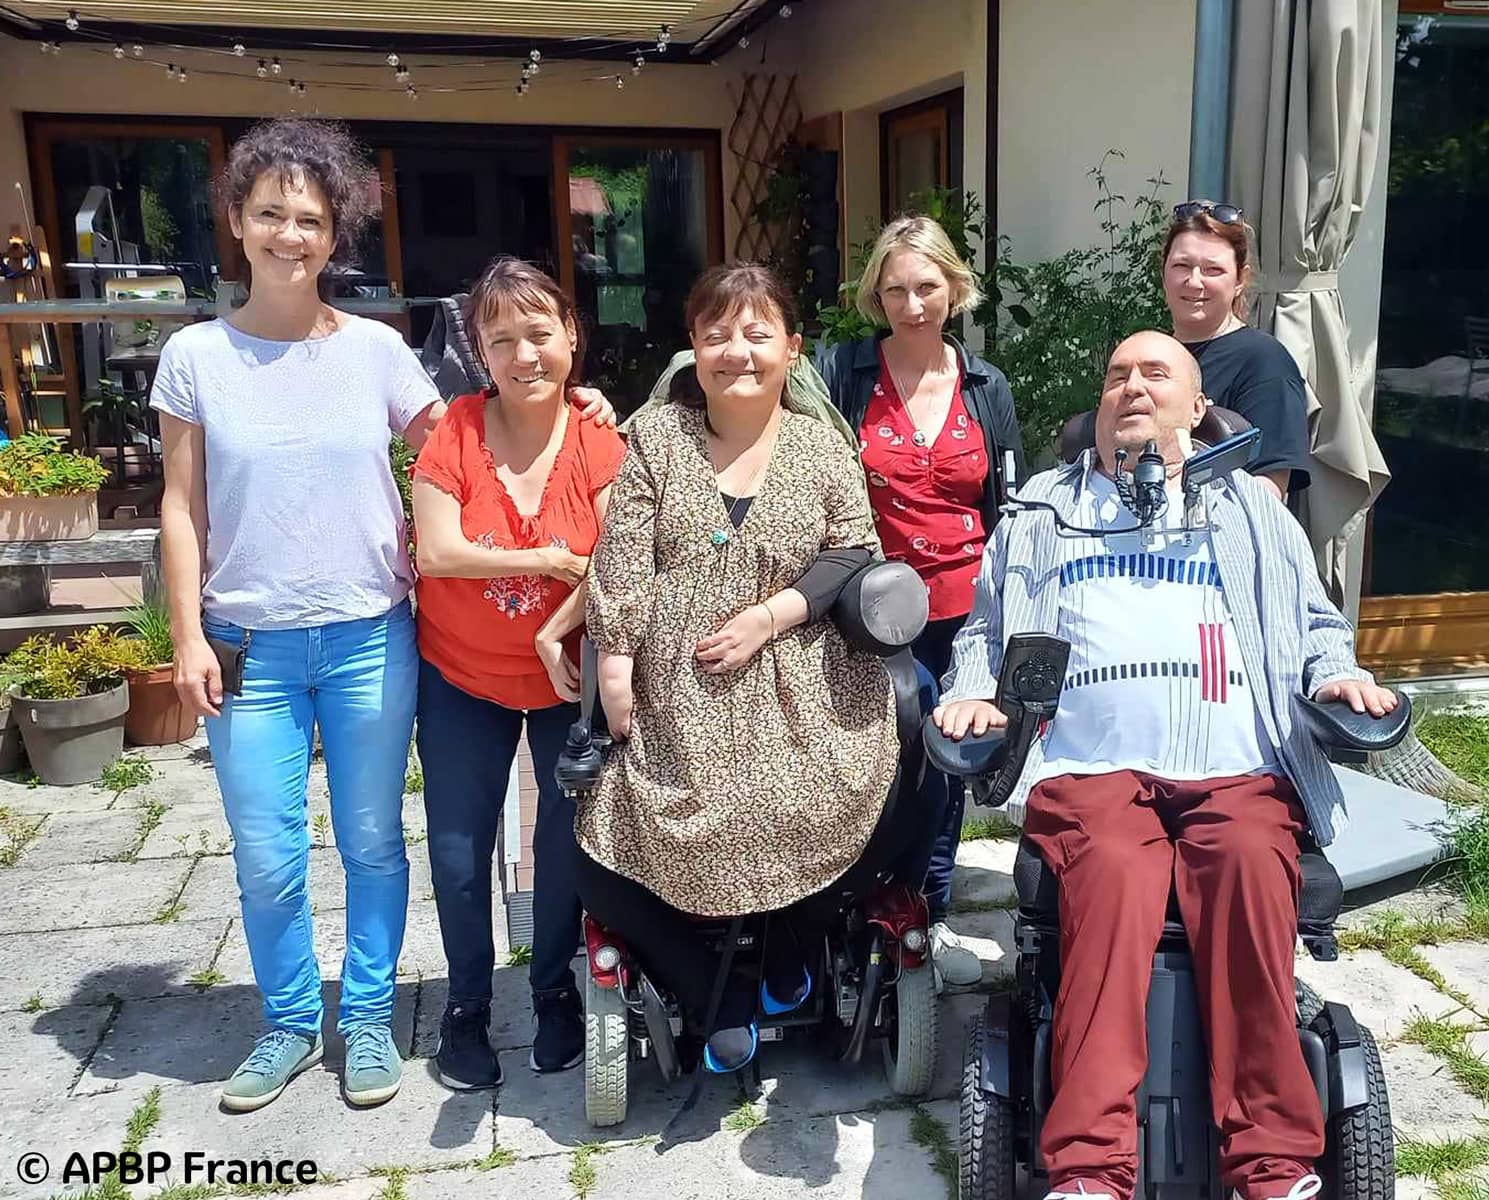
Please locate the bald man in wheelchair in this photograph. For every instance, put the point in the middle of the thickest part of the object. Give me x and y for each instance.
(1177, 759)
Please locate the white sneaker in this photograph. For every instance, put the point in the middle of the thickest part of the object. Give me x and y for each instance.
(1079, 1194)
(955, 964)
(1306, 1188)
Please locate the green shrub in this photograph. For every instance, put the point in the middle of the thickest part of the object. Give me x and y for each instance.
(94, 661)
(36, 465)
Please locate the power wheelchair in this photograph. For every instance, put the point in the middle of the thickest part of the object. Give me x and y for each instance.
(877, 983)
(1006, 1088)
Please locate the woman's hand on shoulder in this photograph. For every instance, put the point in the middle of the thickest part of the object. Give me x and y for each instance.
(594, 406)
(736, 643)
(562, 673)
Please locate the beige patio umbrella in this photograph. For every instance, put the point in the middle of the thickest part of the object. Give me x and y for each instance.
(1306, 116)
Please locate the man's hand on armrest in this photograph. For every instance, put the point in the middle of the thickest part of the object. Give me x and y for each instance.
(1359, 696)
(960, 716)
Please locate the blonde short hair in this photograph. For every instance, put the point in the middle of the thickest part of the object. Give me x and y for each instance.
(926, 237)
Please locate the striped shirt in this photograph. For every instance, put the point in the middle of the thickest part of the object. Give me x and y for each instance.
(1271, 583)
(1154, 683)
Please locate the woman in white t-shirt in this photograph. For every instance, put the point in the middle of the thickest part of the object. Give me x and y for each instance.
(285, 551)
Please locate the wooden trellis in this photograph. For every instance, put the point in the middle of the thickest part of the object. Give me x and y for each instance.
(767, 116)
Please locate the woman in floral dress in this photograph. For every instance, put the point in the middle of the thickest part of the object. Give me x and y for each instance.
(758, 748)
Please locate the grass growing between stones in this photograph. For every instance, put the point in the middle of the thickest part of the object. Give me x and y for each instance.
(141, 1124)
(33, 1003)
(746, 1117)
(151, 813)
(1461, 743)
(394, 1179)
(519, 956)
(1001, 904)
(207, 977)
(582, 1175)
(1450, 1044)
(1440, 1161)
(932, 1136)
(16, 833)
(995, 825)
(499, 1157)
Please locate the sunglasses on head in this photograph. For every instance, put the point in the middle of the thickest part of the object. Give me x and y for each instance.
(1226, 214)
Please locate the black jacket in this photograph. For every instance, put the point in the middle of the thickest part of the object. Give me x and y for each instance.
(851, 369)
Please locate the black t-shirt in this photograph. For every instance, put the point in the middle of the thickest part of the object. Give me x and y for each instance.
(1254, 374)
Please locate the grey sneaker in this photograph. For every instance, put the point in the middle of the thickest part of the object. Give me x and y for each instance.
(373, 1068)
(277, 1058)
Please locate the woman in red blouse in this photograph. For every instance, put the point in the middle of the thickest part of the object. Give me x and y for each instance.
(509, 495)
(933, 425)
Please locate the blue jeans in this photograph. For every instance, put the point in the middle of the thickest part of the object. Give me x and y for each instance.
(932, 650)
(356, 680)
(467, 746)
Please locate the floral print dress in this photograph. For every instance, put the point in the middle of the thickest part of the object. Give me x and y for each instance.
(743, 792)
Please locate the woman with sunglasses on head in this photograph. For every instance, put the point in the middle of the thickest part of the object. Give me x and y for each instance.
(1208, 281)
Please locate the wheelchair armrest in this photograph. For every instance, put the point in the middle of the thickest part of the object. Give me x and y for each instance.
(882, 608)
(1341, 730)
(973, 755)
(582, 758)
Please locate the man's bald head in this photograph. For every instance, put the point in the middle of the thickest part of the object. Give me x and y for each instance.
(1153, 391)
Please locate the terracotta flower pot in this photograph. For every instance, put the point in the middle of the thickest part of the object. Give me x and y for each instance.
(156, 716)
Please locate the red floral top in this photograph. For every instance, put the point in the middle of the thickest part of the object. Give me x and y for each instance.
(927, 500)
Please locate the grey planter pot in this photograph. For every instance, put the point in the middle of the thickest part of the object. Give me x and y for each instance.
(23, 590)
(11, 753)
(72, 741)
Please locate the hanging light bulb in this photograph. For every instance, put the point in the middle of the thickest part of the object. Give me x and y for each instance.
(526, 70)
(522, 88)
(137, 50)
(292, 86)
(170, 70)
(275, 66)
(72, 21)
(535, 55)
(640, 61)
(620, 83)
(533, 68)
(262, 70)
(393, 59)
(411, 92)
(786, 12)
(635, 70)
(401, 75)
(181, 75)
(118, 50)
(744, 41)
(239, 49)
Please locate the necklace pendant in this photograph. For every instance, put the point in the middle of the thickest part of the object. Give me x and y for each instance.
(919, 438)
(718, 537)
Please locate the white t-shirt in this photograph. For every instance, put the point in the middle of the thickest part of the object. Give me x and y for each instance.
(304, 523)
(1155, 681)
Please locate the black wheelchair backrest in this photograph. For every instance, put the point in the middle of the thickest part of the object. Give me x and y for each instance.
(1079, 433)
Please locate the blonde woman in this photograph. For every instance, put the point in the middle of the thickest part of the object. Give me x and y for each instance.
(933, 423)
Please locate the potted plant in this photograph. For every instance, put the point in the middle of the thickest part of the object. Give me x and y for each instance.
(47, 493)
(69, 699)
(12, 754)
(156, 716)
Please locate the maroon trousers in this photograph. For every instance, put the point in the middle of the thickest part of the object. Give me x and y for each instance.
(1230, 847)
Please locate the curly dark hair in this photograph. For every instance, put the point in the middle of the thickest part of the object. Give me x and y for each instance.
(323, 151)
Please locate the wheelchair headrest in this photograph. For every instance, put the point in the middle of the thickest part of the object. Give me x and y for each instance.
(1079, 433)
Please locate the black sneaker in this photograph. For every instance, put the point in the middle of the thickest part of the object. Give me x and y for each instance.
(465, 1058)
(559, 1043)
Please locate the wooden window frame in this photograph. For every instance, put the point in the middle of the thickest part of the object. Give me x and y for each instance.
(942, 113)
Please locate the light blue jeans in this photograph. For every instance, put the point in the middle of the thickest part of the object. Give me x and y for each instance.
(358, 681)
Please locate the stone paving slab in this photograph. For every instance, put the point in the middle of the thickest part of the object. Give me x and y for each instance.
(1426, 1102)
(86, 895)
(38, 798)
(984, 872)
(989, 935)
(189, 829)
(57, 1126)
(82, 838)
(535, 1179)
(53, 1044)
(88, 966)
(1382, 996)
(1465, 965)
(209, 1034)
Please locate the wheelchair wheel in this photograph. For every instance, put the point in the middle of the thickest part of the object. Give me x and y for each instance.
(915, 1034)
(985, 1150)
(1360, 1151)
(607, 1055)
